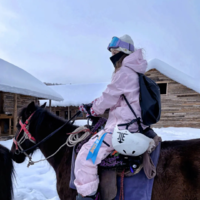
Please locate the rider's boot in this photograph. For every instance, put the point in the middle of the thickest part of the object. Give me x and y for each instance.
(79, 197)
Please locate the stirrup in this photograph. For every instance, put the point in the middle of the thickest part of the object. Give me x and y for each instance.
(79, 197)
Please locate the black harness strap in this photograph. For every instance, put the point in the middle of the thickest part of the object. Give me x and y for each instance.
(128, 124)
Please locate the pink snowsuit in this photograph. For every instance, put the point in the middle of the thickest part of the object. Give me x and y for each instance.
(124, 81)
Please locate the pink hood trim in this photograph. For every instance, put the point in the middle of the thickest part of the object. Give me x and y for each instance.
(136, 62)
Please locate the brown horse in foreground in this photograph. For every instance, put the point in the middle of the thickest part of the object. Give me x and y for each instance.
(178, 169)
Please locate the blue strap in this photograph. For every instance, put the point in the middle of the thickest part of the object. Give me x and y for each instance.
(93, 152)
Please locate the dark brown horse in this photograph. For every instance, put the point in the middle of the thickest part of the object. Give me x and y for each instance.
(178, 170)
(6, 174)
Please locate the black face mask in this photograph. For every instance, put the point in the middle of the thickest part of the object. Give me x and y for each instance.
(116, 57)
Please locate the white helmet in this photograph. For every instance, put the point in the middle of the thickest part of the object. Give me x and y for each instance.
(130, 144)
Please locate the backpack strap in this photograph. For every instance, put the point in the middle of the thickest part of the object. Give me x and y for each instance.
(137, 118)
(128, 124)
(129, 105)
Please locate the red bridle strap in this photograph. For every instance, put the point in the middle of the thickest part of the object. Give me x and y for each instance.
(16, 145)
(23, 128)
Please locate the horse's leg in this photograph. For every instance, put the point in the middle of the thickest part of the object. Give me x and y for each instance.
(6, 174)
(63, 177)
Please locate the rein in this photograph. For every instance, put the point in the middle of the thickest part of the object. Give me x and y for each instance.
(53, 133)
(71, 141)
(27, 135)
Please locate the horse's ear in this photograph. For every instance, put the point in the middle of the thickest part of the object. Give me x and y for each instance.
(44, 105)
(31, 108)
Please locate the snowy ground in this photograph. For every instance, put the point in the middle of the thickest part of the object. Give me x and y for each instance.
(38, 182)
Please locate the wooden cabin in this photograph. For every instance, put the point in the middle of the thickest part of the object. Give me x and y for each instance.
(10, 105)
(180, 104)
(180, 95)
(18, 91)
(68, 111)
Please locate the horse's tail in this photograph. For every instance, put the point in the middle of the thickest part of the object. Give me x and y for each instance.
(6, 174)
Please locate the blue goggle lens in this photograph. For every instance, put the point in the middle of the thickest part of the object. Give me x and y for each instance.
(114, 42)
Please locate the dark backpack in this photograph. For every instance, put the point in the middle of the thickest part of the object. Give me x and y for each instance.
(149, 101)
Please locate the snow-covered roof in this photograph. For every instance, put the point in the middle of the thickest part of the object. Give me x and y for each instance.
(76, 94)
(15, 80)
(174, 74)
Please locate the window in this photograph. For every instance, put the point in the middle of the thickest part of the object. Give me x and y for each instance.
(1, 102)
(163, 88)
(80, 115)
(66, 114)
(57, 113)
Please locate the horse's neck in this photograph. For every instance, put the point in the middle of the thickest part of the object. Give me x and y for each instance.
(50, 146)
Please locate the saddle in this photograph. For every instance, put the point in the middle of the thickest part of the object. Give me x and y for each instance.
(113, 165)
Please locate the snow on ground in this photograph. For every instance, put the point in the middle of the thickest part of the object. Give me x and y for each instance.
(172, 133)
(38, 182)
(81, 122)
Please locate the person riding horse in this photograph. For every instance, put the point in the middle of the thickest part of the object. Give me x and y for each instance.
(127, 61)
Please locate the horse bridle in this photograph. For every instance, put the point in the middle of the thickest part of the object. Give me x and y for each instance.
(26, 136)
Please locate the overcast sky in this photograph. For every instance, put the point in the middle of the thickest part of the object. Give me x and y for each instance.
(65, 41)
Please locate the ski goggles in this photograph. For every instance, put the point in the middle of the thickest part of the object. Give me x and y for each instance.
(116, 43)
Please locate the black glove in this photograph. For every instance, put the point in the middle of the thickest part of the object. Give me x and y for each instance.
(87, 108)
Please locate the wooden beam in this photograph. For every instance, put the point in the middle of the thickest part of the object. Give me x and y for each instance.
(15, 115)
(37, 101)
(9, 126)
(50, 105)
(68, 112)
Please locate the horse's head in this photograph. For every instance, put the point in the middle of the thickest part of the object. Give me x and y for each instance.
(25, 135)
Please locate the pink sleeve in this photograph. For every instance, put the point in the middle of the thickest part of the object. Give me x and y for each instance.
(112, 93)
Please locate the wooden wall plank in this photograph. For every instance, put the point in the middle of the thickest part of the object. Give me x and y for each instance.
(15, 114)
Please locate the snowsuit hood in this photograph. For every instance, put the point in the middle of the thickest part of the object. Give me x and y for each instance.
(136, 62)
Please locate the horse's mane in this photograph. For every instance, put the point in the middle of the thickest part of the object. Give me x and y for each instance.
(40, 113)
(40, 110)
